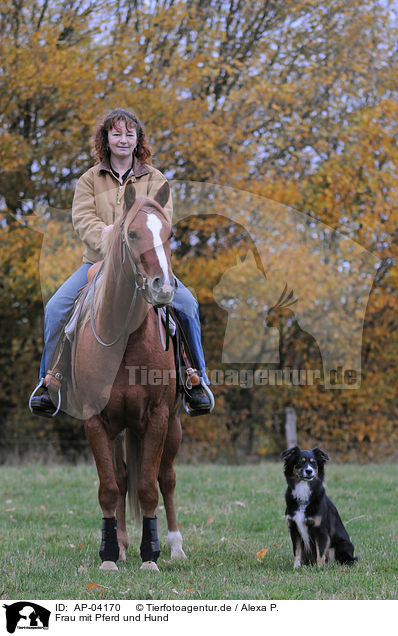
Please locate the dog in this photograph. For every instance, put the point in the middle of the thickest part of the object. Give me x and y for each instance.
(316, 530)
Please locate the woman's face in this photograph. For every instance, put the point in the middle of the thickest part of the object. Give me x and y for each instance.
(122, 140)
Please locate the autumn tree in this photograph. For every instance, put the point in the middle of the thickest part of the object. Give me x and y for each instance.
(293, 102)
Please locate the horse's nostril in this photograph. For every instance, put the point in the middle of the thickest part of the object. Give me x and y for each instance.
(156, 283)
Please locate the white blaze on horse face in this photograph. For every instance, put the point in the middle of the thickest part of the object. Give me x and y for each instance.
(155, 225)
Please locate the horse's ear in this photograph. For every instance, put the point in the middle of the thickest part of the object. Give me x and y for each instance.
(250, 259)
(163, 194)
(129, 195)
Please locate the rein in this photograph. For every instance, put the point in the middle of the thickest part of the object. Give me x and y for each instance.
(92, 319)
(124, 248)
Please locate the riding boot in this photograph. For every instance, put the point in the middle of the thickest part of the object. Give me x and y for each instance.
(48, 403)
(198, 396)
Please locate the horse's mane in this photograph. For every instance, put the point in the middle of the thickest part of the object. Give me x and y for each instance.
(111, 248)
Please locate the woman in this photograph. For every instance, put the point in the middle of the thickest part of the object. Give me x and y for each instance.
(123, 156)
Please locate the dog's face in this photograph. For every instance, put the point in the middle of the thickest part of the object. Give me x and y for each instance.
(304, 465)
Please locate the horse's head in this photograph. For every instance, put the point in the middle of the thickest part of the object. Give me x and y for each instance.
(146, 233)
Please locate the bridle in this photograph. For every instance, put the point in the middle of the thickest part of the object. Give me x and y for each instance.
(141, 285)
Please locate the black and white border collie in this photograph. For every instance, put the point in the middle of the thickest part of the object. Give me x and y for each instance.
(316, 529)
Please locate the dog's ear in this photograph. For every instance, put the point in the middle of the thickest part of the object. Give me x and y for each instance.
(290, 452)
(320, 455)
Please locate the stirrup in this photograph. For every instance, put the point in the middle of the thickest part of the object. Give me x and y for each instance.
(33, 394)
(194, 413)
(192, 374)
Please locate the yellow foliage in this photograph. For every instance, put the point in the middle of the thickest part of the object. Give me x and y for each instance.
(297, 109)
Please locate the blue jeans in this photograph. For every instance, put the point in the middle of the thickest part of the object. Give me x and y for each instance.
(60, 305)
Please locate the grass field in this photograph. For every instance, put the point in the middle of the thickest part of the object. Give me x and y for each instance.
(50, 533)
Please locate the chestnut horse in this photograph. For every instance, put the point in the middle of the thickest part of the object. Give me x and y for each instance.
(125, 380)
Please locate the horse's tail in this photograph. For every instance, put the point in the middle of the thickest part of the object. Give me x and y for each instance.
(133, 455)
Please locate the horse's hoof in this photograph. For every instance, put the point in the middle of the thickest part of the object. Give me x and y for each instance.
(178, 555)
(149, 565)
(109, 566)
(174, 541)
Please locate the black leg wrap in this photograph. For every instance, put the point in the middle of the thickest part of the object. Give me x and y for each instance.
(109, 550)
(150, 546)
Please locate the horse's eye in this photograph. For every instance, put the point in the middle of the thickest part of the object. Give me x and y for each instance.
(132, 235)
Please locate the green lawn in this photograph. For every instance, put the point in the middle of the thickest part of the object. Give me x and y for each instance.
(50, 533)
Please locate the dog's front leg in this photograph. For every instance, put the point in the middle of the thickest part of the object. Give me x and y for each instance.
(297, 554)
(296, 542)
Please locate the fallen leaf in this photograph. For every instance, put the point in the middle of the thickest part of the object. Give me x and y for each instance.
(189, 590)
(240, 503)
(261, 554)
(210, 520)
(80, 547)
(95, 586)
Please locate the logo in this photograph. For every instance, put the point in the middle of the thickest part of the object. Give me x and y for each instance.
(26, 615)
(293, 290)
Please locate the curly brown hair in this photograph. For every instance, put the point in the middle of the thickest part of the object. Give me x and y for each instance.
(100, 137)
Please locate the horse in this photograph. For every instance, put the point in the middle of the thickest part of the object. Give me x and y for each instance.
(125, 380)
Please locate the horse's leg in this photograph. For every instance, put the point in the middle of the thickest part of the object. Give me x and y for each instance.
(121, 480)
(148, 486)
(167, 482)
(108, 490)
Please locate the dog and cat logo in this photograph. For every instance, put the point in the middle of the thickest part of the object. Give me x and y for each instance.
(26, 615)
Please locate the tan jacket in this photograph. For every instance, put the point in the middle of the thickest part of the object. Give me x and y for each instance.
(98, 201)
